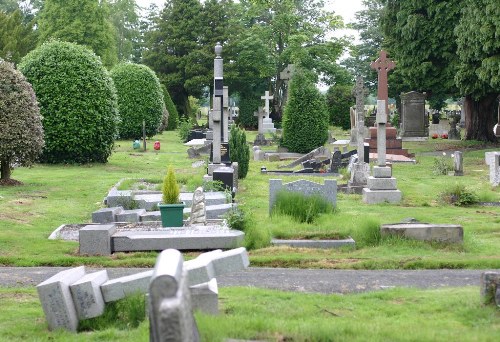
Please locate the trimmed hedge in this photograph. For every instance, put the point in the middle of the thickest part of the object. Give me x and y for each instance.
(305, 120)
(139, 98)
(77, 101)
(21, 137)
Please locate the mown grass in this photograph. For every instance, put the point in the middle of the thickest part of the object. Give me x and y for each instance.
(58, 194)
(452, 314)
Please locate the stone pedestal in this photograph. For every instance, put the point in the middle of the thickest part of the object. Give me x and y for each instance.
(381, 187)
(394, 145)
(268, 126)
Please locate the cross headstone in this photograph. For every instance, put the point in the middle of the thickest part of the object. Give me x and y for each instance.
(266, 99)
(381, 122)
(260, 114)
(383, 65)
(286, 76)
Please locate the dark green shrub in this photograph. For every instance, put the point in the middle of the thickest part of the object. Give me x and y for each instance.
(173, 115)
(21, 132)
(77, 102)
(239, 151)
(247, 106)
(300, 207)
(459, 195)
(305, 121)
(185, 125)
(139, 98)
(339, 100)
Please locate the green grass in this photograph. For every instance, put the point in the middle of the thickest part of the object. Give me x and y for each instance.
(452, 314)
(58, 194)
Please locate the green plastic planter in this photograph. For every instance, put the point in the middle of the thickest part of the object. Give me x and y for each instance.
(171, 214)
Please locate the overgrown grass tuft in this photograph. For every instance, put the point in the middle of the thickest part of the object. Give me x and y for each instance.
(459, 195)
(301, 207)
(124, 314)
(368, 233)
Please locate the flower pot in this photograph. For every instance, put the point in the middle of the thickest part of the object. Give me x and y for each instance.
(171, 214)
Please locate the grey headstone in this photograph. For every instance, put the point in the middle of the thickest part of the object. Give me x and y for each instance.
(56, 299)
(458, 163)
(87, 295)
(495, 170)
(230, 261)
(119, 288)
(96, 239)
(413, 118)
(205, 297)
(490, 283)
(106, 215)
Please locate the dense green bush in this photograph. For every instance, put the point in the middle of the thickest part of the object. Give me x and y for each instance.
(185, 125)
(173, 115)
(300, 207)
(305, 120)
(77, 102)
(238, 150)
(139, 98)
(247, 107)
(339, 99)
(21, 132)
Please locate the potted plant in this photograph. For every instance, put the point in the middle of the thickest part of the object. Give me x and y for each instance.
(171, 208)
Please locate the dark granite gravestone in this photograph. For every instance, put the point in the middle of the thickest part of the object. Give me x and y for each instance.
(224, 153)
(336, 162)
(413, 118)
(224, 175)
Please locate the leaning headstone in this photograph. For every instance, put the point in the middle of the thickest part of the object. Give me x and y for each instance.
(87, 294)
(489, 285)
(458, 163)
(56, 299)
(170, 310)
(198, 209)
(205, 297)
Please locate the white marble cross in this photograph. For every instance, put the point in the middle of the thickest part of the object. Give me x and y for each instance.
(266, 99)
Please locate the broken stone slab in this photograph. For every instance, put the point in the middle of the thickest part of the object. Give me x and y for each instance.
(230, 261)
(87, 296)
(200, 269)
(130, 215)
(205, 297)
(106, 215)
(57, 302)
(96, 239)
(116, 197)
(449, 233)
(489, 286)
(119, 288)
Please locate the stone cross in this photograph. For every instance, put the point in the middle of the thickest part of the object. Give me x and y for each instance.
(260, 114)
(266, 99)
(381, 136)
(360, 117)
(383, 65)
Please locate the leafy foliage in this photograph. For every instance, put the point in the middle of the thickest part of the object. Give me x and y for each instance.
(170, 188)
(459, 195)
(17, 36)
(339, 100)
(173, 115)
(305, 123)
(247, 107)
(239, 151)
(442, 165)
(139, 98)
(85, 22)
(77, 101)
(21, 132)
(126, 21)
(185, 125)
(300, 207)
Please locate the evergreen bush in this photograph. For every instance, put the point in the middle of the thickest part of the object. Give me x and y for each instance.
(239, 150)
(173, 115)
(139, 98)
(77, 101)
(305, 120)
(339, 99)
(170, 188)
(247, 107)
(21, 132)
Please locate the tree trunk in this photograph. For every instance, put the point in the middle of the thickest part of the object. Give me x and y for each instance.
(480, 117)
(5, 170)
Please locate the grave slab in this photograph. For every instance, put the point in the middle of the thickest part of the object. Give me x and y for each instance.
(130, 215)
(106, 215)
(151, 216)
(56, 299)
(449, 233)
(87, 296)
(96, 239)
(326, 244)
(119, 288)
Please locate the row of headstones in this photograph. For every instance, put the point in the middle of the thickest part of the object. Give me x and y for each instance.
(493, 161)
(175, 289)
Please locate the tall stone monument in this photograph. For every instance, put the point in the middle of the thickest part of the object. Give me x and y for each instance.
(217, 117)
(360, 171)
(267, 123)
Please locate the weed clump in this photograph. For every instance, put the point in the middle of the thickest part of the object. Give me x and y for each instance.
(300, 207)
(442, 165)
(368, 233)
(459, 195)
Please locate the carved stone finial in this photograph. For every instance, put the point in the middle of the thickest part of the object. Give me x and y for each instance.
(218, 50)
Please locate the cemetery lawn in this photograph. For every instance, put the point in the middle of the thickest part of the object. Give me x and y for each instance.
(53, 195)
(450, 314)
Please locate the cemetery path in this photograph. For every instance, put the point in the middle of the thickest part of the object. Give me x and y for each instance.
(287, 279)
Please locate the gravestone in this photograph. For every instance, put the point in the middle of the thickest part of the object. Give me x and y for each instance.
(413, 118)
(198, 209)
(218, 106)
(495, 169)
(383, 65)
(286, 76)
(381, 187)
(170, 311)
(267, 123)
(260, 139)
(336, 162)
(453, 133)
(458, 163)
(489, 287)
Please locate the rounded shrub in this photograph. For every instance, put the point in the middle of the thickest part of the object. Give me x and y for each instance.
(305, 120)
(339, 99)
(21, 132)
(77, 101)
(139, 98)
